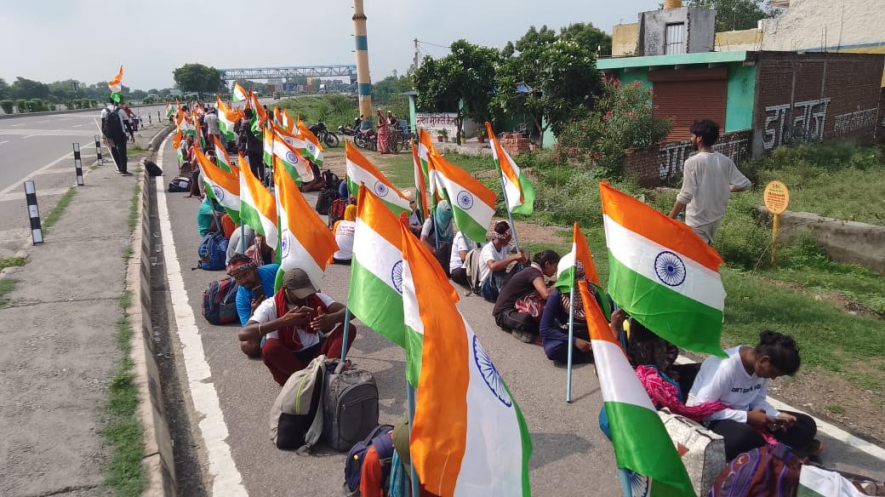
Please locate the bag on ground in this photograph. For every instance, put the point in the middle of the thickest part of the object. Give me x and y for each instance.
(350, 405)
(702, 451)
(353, 466)
(768, 470)
(473, 268)
(324, 201)
(180, 184)
(331, 179)
(212, 252)
(336, 210)
(220, 302)
(296, 418)
(152, 168)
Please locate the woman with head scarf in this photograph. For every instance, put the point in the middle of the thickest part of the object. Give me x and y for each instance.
(344, 230)
(383, 133)
(438, 233)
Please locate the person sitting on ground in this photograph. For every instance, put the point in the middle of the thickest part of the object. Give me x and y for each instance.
(343, 194)
(318, 182)
(554, 324)
(298, 324)
(415, 224)
(461, 246)
(236, 244)
(496, 259)
(741, 382)
(438, 229)
(519, 306)
(260, 253)
(255, 284)
(344, 230)
(209, 217)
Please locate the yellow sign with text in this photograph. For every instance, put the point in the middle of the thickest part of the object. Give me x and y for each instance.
(776, 197)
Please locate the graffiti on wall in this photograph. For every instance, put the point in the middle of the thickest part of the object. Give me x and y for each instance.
(734, 145)
(807, 122)
(854, 121)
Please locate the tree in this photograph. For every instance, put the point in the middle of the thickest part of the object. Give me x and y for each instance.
(732, 15)
(197, 78)
(467, 73)
(588, 35)
(24, 88)
(4, 90)
(551, 79)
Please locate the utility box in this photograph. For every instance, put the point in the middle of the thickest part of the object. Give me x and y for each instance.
(677, 31)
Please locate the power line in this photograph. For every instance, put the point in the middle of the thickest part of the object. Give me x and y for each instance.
(447, 47)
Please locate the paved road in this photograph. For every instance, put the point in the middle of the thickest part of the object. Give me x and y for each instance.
(571, 456)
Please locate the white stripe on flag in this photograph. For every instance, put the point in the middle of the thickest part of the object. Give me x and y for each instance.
(412, 317)
(620, 384)
(296, 255)
(375, 253)
(567, 261)
(479, 211)
(639, 254)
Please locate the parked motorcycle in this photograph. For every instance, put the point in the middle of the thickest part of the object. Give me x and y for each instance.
(327, 137)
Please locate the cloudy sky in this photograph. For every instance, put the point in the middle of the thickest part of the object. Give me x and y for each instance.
(51, 40)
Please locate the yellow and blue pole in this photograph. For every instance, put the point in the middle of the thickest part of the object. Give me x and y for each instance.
(364, 81)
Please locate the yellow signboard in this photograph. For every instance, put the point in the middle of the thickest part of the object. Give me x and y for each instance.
(776, 197)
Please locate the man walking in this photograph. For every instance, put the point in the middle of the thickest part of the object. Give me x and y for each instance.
(707, 182)
(212, 130)
(251, 145)
(114, 123)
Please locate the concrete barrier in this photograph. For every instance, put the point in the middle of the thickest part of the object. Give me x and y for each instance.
(159, 459)
(844, 241)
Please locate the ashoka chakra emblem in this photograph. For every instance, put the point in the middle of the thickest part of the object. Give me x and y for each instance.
(380, 189)
(311, 147)
(396, 276)
(639, 485)
(291, 158)
(285, 244)
(465, 200)
(490, 373)
(669, 268)
(218, 192)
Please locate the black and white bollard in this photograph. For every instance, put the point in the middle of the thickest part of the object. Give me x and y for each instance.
(33, 213)
(158, 117)
(150, 120)
(98, 150)
(78, 164)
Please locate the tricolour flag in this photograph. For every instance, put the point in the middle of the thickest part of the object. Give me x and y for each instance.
(259, 117)
(288, 123)
(239, 94)
(483, 447)
(292, 160)
(360, 170)
(221, 155)
(268, 146)
(277, 116)
(565, 276)
(641, 442)
(305, 240)
(258, 208)
(520, 193)
(472, 203)
(425, 150)
(375, 292)
(170, 111)
(227, 118)
(185, 125)
(199, 139)
(662, 273)
(221, 185)
(116, 85)
(420, 184)
(313, 148)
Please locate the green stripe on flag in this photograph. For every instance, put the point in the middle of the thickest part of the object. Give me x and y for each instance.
(667, 313)
(526, 440)
(469, 226)
(643, 446)
(354, 189)
(252, 218)
(528, 196)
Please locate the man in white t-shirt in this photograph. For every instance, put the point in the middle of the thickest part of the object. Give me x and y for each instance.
(495, 257)
(295, 326)
(461, 245)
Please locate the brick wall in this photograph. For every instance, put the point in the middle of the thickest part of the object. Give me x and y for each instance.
(661, 165)
(815, 96)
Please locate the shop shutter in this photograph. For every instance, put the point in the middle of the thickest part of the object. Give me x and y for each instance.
(686, 96)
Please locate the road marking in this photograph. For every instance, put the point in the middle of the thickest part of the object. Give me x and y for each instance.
(30, 136)
(20, 195)
(226, 478)
(76, 125)
(4, 141)
(69, 155)
(822, 426)
(19, 124)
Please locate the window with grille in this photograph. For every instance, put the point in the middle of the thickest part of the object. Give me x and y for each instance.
(675, 39)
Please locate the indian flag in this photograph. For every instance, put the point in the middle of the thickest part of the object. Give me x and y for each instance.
(291, 159)
(483, 447)
(375, 295)
(818, 482)
(177, 141)
(305, 240)
(641, 442)
(185, 125)
(565, 275)
(258, 208)
(472, 203)
(227, 118)
(662, 273)
(116, 85)
(198, 131)
(313, 148)
(360, 170)
(260, 116)
(425, 150)
(288, 123)
(221, 185)
(170, 111)
(277, 117)
(420, 186)
(268, 146)
(221, 154)
(239, 94)
(520, 193)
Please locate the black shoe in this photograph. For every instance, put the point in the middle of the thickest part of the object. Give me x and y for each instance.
(126, 173)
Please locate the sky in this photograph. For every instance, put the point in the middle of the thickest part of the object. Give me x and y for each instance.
(50, 40)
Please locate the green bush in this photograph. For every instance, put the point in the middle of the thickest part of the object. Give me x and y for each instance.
(7, 105)
(36, 105)
(22, 105)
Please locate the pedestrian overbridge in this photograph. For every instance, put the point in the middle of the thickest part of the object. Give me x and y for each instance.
(329, 71)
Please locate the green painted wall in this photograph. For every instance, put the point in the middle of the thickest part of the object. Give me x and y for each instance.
(640, 75)
(741, 97)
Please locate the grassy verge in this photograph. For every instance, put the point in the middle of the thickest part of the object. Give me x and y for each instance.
(133, 207)
(6, 262)
(135, 150)
(7, 285)
(59, 209)
(123, 431)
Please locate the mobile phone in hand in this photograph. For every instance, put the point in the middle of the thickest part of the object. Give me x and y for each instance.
(257, 293)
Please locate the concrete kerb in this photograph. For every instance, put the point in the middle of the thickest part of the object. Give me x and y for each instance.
(159, 460)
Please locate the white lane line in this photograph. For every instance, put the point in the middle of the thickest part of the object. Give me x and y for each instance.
(18, 184)
(4, 141)
(226, 478)
(19, 124)
(29, 136)
(76, 125)
(822, 426)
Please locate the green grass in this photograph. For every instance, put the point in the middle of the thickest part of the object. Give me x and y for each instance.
(835, 408)
(7, 285)
(133, 208)
(59, 209)
(6, 262)
(135, 150)
(123, 431)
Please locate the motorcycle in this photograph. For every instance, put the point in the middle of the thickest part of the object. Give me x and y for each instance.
(366, 139)
(327, 137)
(347, 130)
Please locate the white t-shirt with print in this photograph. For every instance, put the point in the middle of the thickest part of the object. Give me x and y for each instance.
(490, 253)
(727, 380)
(267, 312)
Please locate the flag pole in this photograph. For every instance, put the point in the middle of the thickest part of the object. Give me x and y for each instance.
(416, 487)
(571, 345)
(345, 333)
(507, 208)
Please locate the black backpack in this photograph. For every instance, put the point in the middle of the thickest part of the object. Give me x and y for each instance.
(324, 201)
(331, 179)
(112, 126)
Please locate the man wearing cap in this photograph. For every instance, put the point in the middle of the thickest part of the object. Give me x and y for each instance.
(255, 285)
(297, 325)
(495, 258)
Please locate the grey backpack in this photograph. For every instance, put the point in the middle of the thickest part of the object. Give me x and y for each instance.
(350, 406)
(296, 419)
(473, 267)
